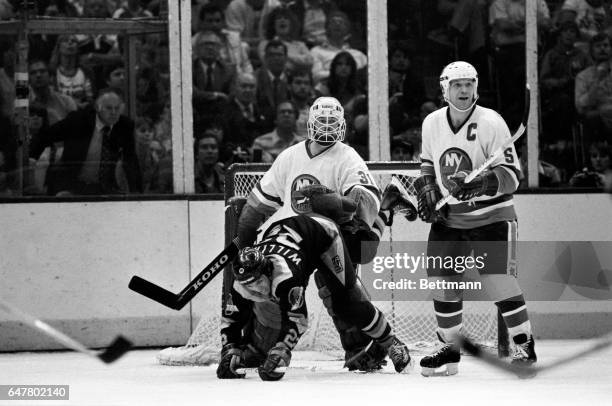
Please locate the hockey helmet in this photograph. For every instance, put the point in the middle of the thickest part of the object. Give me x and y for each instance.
(326, 124)
(455, 71)
(250, 265)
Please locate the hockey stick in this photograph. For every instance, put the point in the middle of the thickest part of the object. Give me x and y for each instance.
(499, 151)
(115, 350)
(523, 371)
(177, 301)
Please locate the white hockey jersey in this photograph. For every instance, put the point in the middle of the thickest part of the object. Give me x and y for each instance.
(452, 150)
(339, 168)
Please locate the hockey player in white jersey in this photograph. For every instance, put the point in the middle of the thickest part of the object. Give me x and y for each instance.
(457, 139)
(322, 159)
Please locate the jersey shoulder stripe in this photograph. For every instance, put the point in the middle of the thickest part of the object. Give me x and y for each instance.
(266, 198)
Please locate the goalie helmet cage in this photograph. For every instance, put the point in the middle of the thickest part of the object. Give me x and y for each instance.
(413, 321)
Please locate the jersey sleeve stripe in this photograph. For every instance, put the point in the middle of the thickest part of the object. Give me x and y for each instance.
(265, 198)
(426, 161)
(512, 169)
(369, 188)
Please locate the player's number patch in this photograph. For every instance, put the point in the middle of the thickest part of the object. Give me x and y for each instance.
(365, 178)
(508, 155)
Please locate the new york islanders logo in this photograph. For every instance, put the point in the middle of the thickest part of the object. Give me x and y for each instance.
(452, 161)
(300, 203)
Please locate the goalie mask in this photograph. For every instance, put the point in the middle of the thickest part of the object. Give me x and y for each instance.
(455, 71)
(326, 124)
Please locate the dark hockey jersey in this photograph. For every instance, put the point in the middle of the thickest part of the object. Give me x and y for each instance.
(296, 246)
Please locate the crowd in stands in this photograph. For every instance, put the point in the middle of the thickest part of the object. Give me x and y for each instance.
(259, 64)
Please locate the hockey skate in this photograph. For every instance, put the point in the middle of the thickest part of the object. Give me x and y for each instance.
(443, 362)
(524, 354)
(399, 355)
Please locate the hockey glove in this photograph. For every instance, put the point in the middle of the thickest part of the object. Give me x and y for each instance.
(231, 360)
(483, 184)
(278, 356)
(428, 194)
(329, 203)
(393, 201)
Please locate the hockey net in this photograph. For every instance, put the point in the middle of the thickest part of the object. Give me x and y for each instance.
(413, 321)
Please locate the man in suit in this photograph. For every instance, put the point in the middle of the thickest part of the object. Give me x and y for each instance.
(243, 119)
(272, 83)
(94, 141)
(212, 78)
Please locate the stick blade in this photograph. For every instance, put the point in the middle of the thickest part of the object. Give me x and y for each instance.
(116, 350)
(154, 292)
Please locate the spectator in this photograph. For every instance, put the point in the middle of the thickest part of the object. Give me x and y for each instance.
(114, 76)
(58, 105)
(243, 16)
(98, 50)
(70, 78)
(212, 79)
(132, 9)
(243, 119)
(282, 24)
(272, 85)
(209, 172)
(301, 95)
(312, 16)
(589, 15)
(282, 137)
(149, 93)
(507, 21)
(343, 84)
(94, 141)
(405, 105)
(337, 29)
(464, 30)
(402, 149)
(233, 51)
(38, 124)
(162, 128)
(594, 91)
(594, 175)
(557, 75)
(6, 10)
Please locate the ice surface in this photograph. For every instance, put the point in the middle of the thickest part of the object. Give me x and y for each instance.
(315, 379)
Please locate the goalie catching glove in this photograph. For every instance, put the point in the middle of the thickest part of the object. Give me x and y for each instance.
(393, 201)
(231, 360)
(428, 194)
(483, 184)
(329, 203)
(278, 357)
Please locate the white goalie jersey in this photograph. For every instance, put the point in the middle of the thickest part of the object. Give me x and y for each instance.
(339, 168)
(452, 150)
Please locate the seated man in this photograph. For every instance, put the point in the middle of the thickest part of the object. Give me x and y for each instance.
(266, 147)
(277, 270)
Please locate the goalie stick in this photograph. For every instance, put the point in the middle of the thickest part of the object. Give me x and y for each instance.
(177, 301)
(115, 350)
(499, 151)
(523, 371)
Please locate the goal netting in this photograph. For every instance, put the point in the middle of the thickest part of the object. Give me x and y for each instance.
(413, 321)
